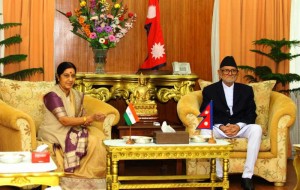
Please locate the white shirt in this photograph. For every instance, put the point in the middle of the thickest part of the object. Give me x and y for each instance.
(228, 91)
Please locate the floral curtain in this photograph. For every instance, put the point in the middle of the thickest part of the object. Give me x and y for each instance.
(37, 19)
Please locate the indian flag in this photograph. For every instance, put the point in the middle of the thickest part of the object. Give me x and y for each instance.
(130, 115)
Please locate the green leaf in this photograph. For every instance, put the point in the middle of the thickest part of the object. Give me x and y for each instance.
(61, 12)
(250, 78)
(11, 40)
(278, 51)
(246, 68)
(276, 46)
(16, 58)
(9, 25)
(80, 35)
(23, 74)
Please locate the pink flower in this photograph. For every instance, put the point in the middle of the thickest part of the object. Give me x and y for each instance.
(110, 16)
(112, 38)
(93, 35)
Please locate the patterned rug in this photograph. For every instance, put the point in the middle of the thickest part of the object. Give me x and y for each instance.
(82, 184)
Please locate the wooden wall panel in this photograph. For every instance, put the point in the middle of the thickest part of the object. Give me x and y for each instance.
(186, 26)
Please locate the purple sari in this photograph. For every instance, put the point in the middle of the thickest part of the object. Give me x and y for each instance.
(77, 137)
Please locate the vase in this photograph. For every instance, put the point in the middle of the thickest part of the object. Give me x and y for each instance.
(100, 60)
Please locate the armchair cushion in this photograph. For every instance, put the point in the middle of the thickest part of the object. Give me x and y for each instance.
(29, 99)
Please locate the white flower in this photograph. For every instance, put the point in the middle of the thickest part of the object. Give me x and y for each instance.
(123, 31)
(119, 35)
(103, 24)
(114, 27)
(94, 18)
(101, 40)
(128, 25)
(117, 21)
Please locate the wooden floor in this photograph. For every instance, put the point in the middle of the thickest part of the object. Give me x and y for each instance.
(135, 168)
(145, 168)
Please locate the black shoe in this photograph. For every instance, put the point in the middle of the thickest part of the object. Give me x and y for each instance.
(247, 184)
(219, 179)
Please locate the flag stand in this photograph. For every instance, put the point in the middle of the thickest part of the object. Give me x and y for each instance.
(130, 140)
(212, 140)
(207, 121)
(131, 118)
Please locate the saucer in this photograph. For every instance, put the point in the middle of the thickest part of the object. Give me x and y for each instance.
(11, 158)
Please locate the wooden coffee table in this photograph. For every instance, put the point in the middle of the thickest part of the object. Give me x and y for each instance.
(118, 150)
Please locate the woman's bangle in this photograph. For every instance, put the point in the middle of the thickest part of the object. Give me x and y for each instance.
(84, 119)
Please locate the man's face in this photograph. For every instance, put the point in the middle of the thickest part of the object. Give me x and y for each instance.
(228, 74)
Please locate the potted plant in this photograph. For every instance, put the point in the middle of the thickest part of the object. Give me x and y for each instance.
(261, 73)
(15, 58)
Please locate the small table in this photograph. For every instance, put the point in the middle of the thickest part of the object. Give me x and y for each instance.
(27, 173)
(118, 150)
(296, 164)
(146, 130)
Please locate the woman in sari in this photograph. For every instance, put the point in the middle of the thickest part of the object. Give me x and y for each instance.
(66, 124)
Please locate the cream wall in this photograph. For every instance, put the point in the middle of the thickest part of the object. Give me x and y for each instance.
(295, 67)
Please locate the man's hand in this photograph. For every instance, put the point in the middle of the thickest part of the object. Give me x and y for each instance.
(230, 129)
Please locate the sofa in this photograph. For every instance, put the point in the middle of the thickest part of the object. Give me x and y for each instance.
(276, 112)
(21, 113)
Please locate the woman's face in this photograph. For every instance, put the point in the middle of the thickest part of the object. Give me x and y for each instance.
(67, 79)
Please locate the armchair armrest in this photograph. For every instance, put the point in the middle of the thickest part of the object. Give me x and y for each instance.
(281, 105)
(188, 109)
(93, 105)
(17, 129)
(282, 115)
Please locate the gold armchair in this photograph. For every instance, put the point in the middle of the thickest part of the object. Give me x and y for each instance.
(276, 113)
(21, 114)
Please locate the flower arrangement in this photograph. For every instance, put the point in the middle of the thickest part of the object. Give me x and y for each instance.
(100, 23)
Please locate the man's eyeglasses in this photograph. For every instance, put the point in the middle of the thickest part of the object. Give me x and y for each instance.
(227, 71)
